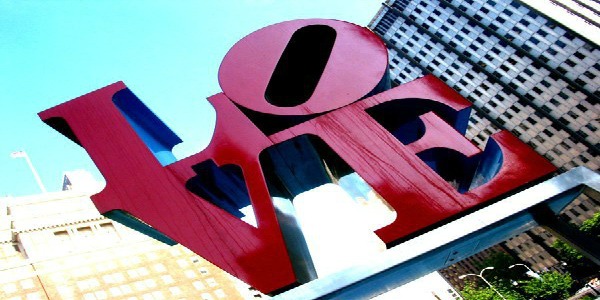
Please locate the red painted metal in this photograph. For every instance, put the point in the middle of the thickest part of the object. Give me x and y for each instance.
(140, 185)
(420, 196)
(356, 64)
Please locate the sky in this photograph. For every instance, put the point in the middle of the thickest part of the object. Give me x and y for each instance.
(167, 54)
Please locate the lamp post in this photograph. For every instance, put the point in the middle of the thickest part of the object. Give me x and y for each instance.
(529, 272)
(484, 280)
(23, 154)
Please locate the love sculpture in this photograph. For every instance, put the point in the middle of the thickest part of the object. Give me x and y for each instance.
(303, 102)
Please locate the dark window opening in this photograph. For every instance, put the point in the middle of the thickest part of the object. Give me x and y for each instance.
(301, 65)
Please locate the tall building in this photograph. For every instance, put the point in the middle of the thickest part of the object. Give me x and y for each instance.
(57, 246)
(523, 71)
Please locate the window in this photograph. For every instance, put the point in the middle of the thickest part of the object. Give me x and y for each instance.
(126, 289)
(151, 283)
(175, 290)
(160, 268)
(85, 231)
(583, 207)
(517, 30)
(9, 288)
(27, 284)
(183, 263)
(139, 285)
(211, 282)
(220, 293)
(167, 279)
(591, 127)
(589, 75)
(569, 36)
(570, 63)
(534, 40)
(62, 235)
(564, 96)
(190, 274)
(572, 114)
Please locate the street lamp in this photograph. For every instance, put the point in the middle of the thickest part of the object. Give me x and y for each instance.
(529, 272)
(484, 280)
(23, 154)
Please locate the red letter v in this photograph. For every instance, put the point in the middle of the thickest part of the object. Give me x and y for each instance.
(138, 184)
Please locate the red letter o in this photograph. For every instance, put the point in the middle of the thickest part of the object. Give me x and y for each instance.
(303, 67)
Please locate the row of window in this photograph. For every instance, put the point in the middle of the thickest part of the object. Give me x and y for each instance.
(507, 69)
(507, 112)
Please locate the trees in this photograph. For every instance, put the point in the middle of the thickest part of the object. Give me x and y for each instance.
(471, 292)
(513, 284)
(592, 225)
(550, 286)
(577, 264)
(568, 254)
